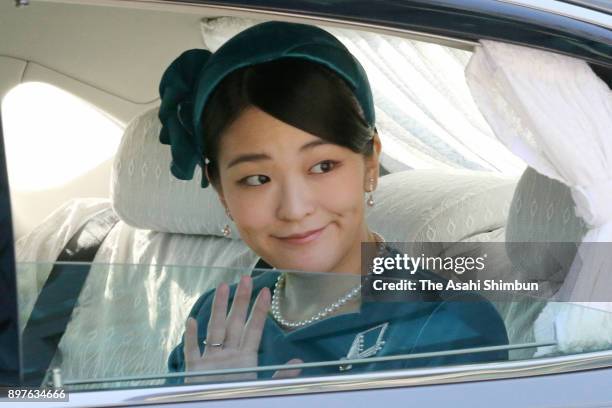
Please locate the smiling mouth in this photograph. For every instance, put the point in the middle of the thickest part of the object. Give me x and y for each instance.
(302, 238)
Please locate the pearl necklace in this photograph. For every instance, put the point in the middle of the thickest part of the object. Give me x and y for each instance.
(280, 283)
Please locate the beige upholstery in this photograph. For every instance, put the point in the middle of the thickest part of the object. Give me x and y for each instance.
(141, 170)
(432, 207)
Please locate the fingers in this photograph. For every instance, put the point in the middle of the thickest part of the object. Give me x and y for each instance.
(191, 350)
(238, 313)
(216, 322)
(251, 336)
(289, 373)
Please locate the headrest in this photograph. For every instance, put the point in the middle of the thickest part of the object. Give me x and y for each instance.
(432, 207)
(146, 195)
(543, 211)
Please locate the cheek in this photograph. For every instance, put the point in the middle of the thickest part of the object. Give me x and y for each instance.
(239, 201)
(344, 193)
(250, 213)
(252, 217)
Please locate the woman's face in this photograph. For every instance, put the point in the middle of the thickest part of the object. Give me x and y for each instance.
(296, 199)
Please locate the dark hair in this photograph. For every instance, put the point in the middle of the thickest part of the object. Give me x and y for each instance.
(303, 94)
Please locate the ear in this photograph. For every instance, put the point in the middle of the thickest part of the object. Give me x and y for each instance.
(372, 163)
(216, 186)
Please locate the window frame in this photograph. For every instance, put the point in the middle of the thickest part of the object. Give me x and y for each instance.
(236, 391)
(353, 382)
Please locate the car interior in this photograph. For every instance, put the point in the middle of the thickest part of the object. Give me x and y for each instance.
(449, 187)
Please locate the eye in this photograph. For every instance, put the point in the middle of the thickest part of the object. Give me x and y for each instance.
(324, 166)
(255, 180)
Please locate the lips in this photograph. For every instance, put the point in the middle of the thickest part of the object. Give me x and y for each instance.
(302, 238)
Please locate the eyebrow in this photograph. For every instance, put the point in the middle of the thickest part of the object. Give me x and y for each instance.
(255, 157)
(252, 157)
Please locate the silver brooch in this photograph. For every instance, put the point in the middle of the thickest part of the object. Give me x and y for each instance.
(358, 350)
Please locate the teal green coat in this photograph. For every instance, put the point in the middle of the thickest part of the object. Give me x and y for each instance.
(414, 327)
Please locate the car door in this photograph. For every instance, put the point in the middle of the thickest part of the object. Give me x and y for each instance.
(580, 379)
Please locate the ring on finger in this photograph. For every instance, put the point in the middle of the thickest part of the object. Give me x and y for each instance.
(204, 342)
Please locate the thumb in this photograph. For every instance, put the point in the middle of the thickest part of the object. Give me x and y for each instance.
(289, 373)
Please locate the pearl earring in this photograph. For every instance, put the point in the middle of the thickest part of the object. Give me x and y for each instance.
(226, 231)
(371, 197)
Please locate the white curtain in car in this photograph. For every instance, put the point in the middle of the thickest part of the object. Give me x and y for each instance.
(425, 114)
(556, 114)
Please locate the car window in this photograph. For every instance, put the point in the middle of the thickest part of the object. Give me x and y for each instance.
(47, 128)
(132, 336)
(121, 264)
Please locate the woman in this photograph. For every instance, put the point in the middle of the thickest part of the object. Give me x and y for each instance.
(281, 118)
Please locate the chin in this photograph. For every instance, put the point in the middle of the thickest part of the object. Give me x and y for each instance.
(309, 267)
(305, 262)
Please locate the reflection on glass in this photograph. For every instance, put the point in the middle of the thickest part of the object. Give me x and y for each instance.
(128, 327)
(291, 317)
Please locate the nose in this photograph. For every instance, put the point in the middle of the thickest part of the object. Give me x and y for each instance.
(296, 199)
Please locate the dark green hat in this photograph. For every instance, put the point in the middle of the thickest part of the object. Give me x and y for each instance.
(192, 77)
